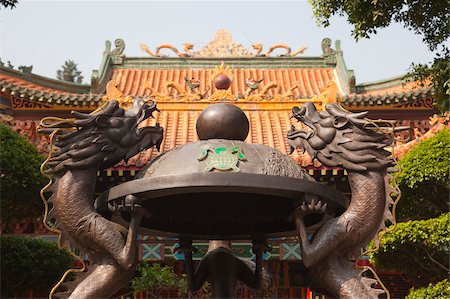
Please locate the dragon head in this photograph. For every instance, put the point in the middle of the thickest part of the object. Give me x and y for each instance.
(340, 138)
(103, 138)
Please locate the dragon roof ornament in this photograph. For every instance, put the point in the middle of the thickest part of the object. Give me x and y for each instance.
(256, 90)
(223, 45)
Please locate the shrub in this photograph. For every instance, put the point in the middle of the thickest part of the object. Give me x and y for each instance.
(424, 179)
(20, 177)
(418, 248)
(30, 264)
(441, 290)
(154, 277)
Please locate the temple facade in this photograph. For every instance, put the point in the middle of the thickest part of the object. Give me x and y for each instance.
(266, 82)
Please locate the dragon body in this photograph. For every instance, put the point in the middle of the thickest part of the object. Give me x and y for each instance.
(342, 139)
(86, 144)
(258, 47)
(187, 50)
(187, 47)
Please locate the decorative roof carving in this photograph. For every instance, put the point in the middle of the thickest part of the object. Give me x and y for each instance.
(223, 46)
(117, 53)
(175, 92)
(259, 47)
(438, 123)
(329, 53)
(187, 47)
(26, 69)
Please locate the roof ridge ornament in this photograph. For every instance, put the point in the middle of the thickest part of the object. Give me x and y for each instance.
(223, 46)
(187, 47)
(222, 79)
(258, 47)
(117, 53)
(329, 54)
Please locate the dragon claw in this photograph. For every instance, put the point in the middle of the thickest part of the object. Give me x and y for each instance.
(313, 207)
(132, 204)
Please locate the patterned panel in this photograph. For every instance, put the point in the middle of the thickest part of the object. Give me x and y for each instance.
(290, 251)
(151, 251)
(242, 250)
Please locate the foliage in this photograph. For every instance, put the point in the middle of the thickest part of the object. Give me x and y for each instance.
(69, 72)
(8, 3)
(439, 72)
(428, 18)
(441, 290)
(419, 248)
(20, 177)
(30, 264)
(424, 179)
(155, 277)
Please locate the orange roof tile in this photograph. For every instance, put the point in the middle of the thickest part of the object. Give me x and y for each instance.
(22, 83)
(310, 82)
(266, 127)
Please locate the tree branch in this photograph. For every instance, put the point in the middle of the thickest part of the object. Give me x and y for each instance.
(432, 259)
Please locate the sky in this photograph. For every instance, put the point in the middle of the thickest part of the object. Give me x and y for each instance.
(46, 33)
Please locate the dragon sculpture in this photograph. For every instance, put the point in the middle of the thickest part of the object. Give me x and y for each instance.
(339, 138)
(259, 47)
(187, 47)
(222, 268)
(194, 85)
(86, 144)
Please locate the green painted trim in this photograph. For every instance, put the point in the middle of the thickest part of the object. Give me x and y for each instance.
(47, 82)
(100, 77)
(233, 62)
(381, 84)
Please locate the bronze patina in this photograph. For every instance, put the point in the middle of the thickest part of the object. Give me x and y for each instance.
(188, 201)
(87, 143)
(222, 268)
(218, 188)
(222, 121)
(341, 138)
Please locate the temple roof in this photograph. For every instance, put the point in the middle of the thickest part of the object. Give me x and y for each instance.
(389, 92)
(24, 85)
(308, 81)
(287, 77)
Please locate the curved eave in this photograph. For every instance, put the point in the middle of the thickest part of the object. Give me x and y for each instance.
(50, 97)
(43, 82)
(388, 92)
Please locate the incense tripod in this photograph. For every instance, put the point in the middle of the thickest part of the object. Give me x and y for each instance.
(222, 188)
(218, 188)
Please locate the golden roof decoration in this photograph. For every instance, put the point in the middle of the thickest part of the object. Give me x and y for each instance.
(187, 47)
(330, 94)
(257, 91)
(222, 69)
(114, 93)
(258, 47)
(222, 46)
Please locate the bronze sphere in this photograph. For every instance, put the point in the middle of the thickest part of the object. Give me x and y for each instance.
(222, 121)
